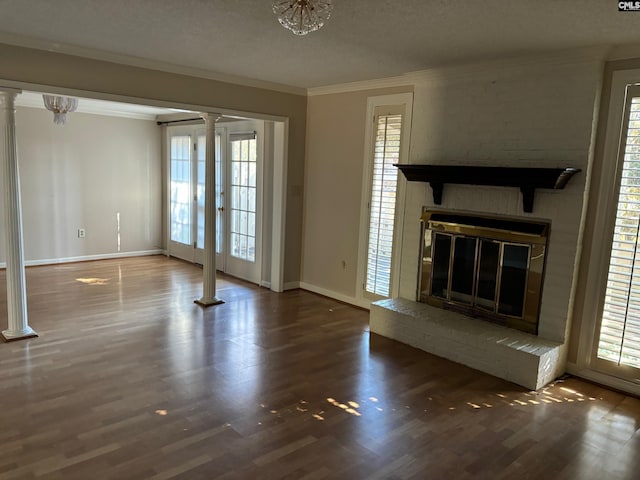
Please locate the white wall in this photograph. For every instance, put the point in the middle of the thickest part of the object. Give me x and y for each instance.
(80, 176)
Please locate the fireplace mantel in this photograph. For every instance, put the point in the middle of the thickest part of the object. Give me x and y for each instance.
(527, 179)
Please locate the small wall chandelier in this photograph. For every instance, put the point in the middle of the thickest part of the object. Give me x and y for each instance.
(60, 106)
(302, 16)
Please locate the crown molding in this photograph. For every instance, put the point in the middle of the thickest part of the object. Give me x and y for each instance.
(94, 54)
(464, 71)
(388, 82)
(561, 58)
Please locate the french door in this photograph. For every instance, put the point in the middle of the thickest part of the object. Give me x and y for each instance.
(243, 201)
(186, 192)
(238, 197)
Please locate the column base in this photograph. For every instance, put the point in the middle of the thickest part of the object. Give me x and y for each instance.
(208, 302)
(12, 336)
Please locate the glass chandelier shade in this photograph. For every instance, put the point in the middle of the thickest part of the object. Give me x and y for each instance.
(60, 106)
(302, 16)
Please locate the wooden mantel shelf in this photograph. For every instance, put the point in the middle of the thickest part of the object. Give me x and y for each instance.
(527, 179)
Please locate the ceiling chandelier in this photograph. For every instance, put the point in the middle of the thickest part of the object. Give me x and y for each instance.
(302, 16)
(60, 106)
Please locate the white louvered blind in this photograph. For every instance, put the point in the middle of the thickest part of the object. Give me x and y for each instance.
(619, 339)
(382, 206)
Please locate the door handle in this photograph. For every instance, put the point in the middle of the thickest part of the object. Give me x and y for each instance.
(221, 209)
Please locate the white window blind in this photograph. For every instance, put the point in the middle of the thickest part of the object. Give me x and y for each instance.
(619, 339)
(382, 206)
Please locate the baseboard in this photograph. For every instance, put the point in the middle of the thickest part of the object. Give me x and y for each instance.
(86, 258)
(265, 284)
(362, 303)
(291, 286)
(603, 379)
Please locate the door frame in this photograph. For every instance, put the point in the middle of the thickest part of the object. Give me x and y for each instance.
(233, 266)
(269, 171)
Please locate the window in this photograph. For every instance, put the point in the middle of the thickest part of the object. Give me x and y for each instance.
(181, 189)
(382, 204)
(619, 339)
(383, 190)
(243, 196)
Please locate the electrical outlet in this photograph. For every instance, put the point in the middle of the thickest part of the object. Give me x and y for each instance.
(81, 233)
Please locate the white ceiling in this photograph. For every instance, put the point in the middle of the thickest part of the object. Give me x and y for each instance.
(364, 39)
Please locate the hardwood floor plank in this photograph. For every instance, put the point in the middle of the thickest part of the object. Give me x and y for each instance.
(130, 380)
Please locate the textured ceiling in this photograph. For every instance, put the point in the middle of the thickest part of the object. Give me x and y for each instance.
(364, 39)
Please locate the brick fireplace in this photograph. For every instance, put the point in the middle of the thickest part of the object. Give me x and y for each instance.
(443, 320)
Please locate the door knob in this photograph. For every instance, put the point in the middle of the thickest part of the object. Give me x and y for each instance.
(221, 209)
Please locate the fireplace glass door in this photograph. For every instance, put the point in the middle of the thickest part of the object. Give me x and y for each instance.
(513, 279)
(462, 270)
(498, 278)
(479, 272)
(487, 280)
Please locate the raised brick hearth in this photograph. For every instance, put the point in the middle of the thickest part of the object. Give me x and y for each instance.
(504, 352)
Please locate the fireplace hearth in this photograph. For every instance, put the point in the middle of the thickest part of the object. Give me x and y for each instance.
(485, 267)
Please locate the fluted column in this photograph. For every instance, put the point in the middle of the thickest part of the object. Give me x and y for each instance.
(209, 264)
(16, 286)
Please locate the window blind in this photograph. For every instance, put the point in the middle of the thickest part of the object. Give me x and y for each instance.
(619, 339)
(382, 206)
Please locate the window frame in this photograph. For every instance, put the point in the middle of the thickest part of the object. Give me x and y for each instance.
(602, 364)
(603, 194)
(376, 106)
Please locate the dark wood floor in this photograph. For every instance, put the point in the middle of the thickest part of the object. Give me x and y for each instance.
(130, 380)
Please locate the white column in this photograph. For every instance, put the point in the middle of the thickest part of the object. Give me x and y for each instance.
(209, 263)
(16, 286)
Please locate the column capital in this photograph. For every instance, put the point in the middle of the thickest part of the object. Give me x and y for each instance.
(15, 91)
(8, 96)
(210, 116)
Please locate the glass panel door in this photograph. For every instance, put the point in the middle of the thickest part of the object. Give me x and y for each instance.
(180, 201)
(243, 238)
(201, 152)
(187, 159)
(243, 198)
(238, 157)
(220, 200)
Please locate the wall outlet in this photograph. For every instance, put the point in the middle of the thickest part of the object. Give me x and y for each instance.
(81, 233)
